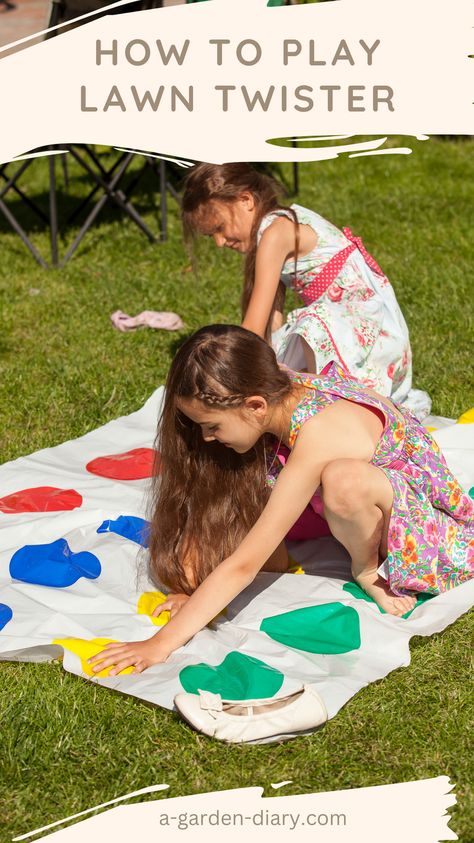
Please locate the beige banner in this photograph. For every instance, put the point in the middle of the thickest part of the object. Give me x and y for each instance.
(412, 811)
(215, 81)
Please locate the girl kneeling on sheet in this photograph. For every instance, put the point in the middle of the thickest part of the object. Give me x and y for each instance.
(350, 312)
(386, 489)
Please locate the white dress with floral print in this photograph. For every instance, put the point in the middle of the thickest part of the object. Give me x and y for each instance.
(356, 322)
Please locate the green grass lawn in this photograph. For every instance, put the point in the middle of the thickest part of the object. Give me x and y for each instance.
(67, 745)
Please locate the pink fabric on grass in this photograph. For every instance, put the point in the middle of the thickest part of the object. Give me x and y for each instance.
(164, 320)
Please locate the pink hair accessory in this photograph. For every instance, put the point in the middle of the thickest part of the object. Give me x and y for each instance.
(164, 320)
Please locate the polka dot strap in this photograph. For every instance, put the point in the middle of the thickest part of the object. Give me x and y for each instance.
(328, 274)
(315, 289)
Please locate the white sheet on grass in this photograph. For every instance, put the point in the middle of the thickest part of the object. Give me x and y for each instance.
(106, 607)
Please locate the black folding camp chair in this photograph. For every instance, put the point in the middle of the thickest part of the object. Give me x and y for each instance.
(106, 181)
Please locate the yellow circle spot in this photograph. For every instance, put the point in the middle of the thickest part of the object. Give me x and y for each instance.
(296, 569)
(147, 603)
(149, 600)
(85, 649)
(467, 417)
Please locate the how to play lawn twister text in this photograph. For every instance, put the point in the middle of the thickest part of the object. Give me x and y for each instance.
(248, 52)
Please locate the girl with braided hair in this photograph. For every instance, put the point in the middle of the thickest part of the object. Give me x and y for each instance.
(350, 313)
(224, 503)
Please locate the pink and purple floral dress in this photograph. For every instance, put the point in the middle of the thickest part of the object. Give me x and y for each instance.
(350, 313)
(431, 530)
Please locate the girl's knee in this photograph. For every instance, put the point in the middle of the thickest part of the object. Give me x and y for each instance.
(344, 486)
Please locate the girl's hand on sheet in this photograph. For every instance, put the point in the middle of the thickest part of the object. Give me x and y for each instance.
(173, 603)
(136, 654)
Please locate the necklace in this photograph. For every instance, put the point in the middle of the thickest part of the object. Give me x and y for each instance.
(268, 468)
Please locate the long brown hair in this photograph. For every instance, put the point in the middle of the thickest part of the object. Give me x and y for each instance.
(226, 183)
(208, 497)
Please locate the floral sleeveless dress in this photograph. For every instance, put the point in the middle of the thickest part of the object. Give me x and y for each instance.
(431, 530)
(354, 320)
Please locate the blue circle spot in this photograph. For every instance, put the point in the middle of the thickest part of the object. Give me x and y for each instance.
(6, 614)
(53, 564)
(128, 526)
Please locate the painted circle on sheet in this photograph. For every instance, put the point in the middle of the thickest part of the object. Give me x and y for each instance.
(329, 628)
(86, 649)
(41, 499)
(148, 602)
(136, 464)
(53, 564)
(238, 677)
(129, 527)
(6, 614)
(467, 417)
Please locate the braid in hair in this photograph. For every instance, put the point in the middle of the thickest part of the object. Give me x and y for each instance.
(212, 399)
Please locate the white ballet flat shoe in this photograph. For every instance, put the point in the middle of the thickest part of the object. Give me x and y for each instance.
(264, 721)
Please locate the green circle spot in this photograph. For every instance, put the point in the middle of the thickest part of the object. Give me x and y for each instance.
(238, 677)
(330, 628)
(471, 492)
(360, 594)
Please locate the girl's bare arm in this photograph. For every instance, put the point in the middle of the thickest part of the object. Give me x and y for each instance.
(277, 243)
(340, 431)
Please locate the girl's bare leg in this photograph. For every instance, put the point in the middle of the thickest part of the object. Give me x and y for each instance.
(278, 561)
(358, 499)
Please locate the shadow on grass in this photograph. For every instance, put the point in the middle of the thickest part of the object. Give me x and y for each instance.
(176, 343)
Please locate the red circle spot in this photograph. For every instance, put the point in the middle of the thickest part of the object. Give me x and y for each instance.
(132, 465)
(41, 499)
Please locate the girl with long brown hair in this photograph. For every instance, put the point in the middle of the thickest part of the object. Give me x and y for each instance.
(350, 313)
(388, 495)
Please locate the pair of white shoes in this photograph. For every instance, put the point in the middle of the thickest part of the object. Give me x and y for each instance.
(253, 721)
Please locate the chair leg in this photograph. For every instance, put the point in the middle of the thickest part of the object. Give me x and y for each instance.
(11, 185)
(65, 171)
(174, 193)
(24, 198)
(53, 211)
(296, 172)
(296, 178)
(17, 227)
(163, 202)
(55, 17)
